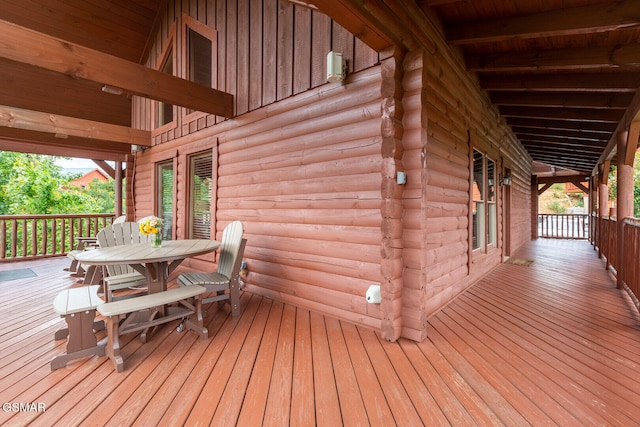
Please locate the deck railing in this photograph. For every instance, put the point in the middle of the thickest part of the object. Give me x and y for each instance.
(563, 226)
(627, 270)
(26, 237)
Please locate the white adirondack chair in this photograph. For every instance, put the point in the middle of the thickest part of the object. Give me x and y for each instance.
(120, 276)
(227, 275)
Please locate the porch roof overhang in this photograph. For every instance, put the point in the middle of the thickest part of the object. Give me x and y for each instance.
(565, 79)
(70, 72)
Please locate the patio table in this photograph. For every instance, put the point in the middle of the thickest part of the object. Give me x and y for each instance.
(156, 264)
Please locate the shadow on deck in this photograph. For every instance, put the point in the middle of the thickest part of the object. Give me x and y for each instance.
(552, 343)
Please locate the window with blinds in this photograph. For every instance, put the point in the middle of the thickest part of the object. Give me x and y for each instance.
(201, 177)
(165, 198)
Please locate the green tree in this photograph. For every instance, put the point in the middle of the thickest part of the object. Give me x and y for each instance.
(34, 184)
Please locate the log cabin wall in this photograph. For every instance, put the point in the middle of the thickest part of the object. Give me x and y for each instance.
(303, 164)
(300, 163)
(446, 116)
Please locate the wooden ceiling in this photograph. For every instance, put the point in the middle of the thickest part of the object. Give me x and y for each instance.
(56, 56)
(565, 74)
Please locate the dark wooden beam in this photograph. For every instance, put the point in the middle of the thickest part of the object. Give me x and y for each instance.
(578, 82)
(62, 127)
(44, 143)
(106, 167)
(559, 99)
(568, 125)
(581, 114)
(357, 21)
(578, 58)
(37, 49)
(561, 22)
(598, 138)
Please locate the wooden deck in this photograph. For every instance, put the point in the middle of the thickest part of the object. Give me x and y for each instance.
(553, 343)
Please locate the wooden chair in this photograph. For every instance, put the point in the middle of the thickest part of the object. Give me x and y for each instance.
(227, 275)
(83, 244)
(120, 276)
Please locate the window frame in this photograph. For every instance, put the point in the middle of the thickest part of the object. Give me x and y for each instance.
(169, 234)
(484, 197)
(190, 23)
(169, 49)
(191, 217)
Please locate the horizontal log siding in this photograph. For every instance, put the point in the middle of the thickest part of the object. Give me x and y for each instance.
(304, 178)
(459, 117)
(305, 182)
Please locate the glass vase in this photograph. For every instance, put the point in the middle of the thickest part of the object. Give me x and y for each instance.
(156, 241)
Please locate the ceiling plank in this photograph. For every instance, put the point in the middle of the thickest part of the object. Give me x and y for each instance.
(578, 82)
(577, 135)
(37, 49)
(559, 22)
(562, 125)
(591, 115)
(559, 99)
(578, 58)
(63, 126)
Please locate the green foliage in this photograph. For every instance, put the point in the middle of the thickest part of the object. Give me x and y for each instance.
(556, 207)
(613, 184)
(33, 184)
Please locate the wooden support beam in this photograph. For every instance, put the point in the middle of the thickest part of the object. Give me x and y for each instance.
(569, 82)
(575, 58)
(559, 99)
(63, 127)
(79, 62)
(106, 167)
(561, 22)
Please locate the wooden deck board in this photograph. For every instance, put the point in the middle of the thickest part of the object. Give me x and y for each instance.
(554, 343)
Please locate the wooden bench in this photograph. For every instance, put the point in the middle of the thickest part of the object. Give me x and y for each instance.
(78, 308)
(139, 314)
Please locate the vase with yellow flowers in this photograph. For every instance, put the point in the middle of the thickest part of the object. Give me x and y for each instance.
(152, 225)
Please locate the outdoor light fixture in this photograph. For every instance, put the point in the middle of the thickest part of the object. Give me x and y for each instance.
(336, 70)
(505, 180)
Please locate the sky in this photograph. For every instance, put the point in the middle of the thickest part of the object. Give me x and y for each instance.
(76, 163)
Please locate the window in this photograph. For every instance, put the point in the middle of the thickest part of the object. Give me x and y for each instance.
(492, 224)
(199, 43)
(478, 201)
(165, 198)
(201, 182)
(165, 113)
(200, 54)
(483, 202)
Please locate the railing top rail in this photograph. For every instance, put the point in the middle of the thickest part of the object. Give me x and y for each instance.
(45, 216)
(632, 221)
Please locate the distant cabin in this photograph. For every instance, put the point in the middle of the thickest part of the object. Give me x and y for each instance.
(86, 179)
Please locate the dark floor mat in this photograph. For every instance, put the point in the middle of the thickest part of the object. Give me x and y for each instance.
(21, 273)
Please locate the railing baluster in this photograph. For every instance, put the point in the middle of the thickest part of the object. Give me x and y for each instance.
(27, 237)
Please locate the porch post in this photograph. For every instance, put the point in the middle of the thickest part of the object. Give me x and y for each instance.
(603, 200)
(118, 189)
(534, 207)
(626, 153)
